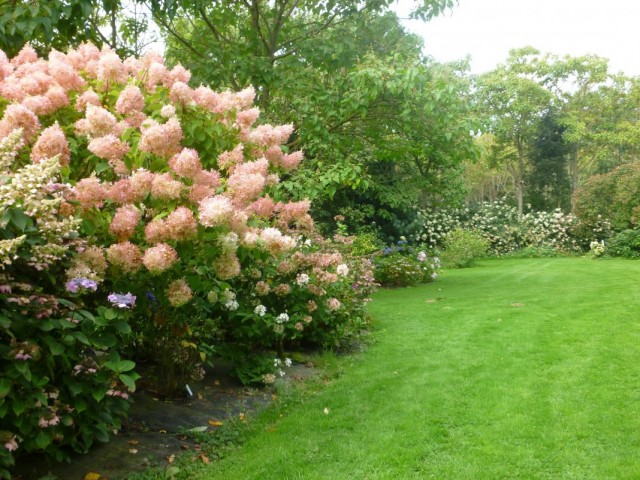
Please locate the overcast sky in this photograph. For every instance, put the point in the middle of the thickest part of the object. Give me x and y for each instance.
(487, 29)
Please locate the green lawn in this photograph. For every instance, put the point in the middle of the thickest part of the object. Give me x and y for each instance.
(513, 369)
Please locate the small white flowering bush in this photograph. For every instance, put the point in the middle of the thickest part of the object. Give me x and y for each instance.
(505, 231)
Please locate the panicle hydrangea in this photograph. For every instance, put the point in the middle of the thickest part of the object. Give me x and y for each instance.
(333, 304)
(50, 143)
(275, 242)
(109, 147)
(168, 111)
(269, 136)
(110, 67)
(124, 222)
(130, 100)
(159, 258)
(125, 256)
(162, 139)
(186, 163)
(342, 270)
(247, 118)
(101, 121)
(181, 93)
(88, 97)
(215, 211)
(260, 310)
(94, 257)
(17, 116)
(38, 104)
(244, 188)
(89, 192)
(263, 207)
(165, 187)
(227, 266)
(228, 160)
(57, 97)
(141, 181)
(121, 193)
(179, 293)
(262, 288)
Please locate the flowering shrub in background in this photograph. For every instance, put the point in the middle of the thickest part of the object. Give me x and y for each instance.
(506, 232)
(402, 265)
(166, 212)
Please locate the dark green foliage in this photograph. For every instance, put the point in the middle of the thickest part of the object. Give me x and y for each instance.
(548, 185)
(614, 196)
(624, 244)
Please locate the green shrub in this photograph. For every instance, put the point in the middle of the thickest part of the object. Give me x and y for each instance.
(462, 247)
(405, 268)
(624, 244)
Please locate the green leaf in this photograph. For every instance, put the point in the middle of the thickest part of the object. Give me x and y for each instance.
(122, 327)
(107, 340)
(5, 387)
(99, 393)
(19, 219)
(18, 406)
(110, 314)
(23, 367)
(43, 440)
(128, 381)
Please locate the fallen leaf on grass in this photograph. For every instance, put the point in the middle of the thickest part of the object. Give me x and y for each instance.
(204, 458)
(216, 383)
(215, 423)
(92, 476)
(199, 396)
(170, 458)
(430, 300)
(133, 450)
(184, 447)
(517, 304)
(242, 417)
(133, 442)
(326, 411)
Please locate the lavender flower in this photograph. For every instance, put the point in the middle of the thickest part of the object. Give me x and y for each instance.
(79, 283)
(122, 300)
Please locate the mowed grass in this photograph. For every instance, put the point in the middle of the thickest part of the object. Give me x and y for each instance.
(513, 369)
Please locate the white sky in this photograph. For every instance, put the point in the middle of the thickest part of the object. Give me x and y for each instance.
(487, 29)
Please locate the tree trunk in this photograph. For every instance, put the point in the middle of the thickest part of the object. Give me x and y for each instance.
(519, 180)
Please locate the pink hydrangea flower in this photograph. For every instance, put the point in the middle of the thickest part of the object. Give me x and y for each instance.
(88, 97)
(51, 142)
(215, 211)
(124, 222)
(162, 140)
(108, 147)
(101, 121)
(179, 293)
(125, 256)
(130, 100)
(186, 163)
(159, 258)
(89, 192)
(164, 187)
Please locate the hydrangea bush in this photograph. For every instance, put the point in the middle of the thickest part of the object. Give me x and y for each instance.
(505, 231)
(401, 265)
(62, 383)
(166, 208)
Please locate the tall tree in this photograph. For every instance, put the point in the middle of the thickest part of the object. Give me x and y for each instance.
(513, 102)
(548, 185)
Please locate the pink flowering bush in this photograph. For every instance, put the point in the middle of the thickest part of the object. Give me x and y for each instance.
(175, 187)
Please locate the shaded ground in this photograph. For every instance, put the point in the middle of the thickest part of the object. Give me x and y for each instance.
(155, 429)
